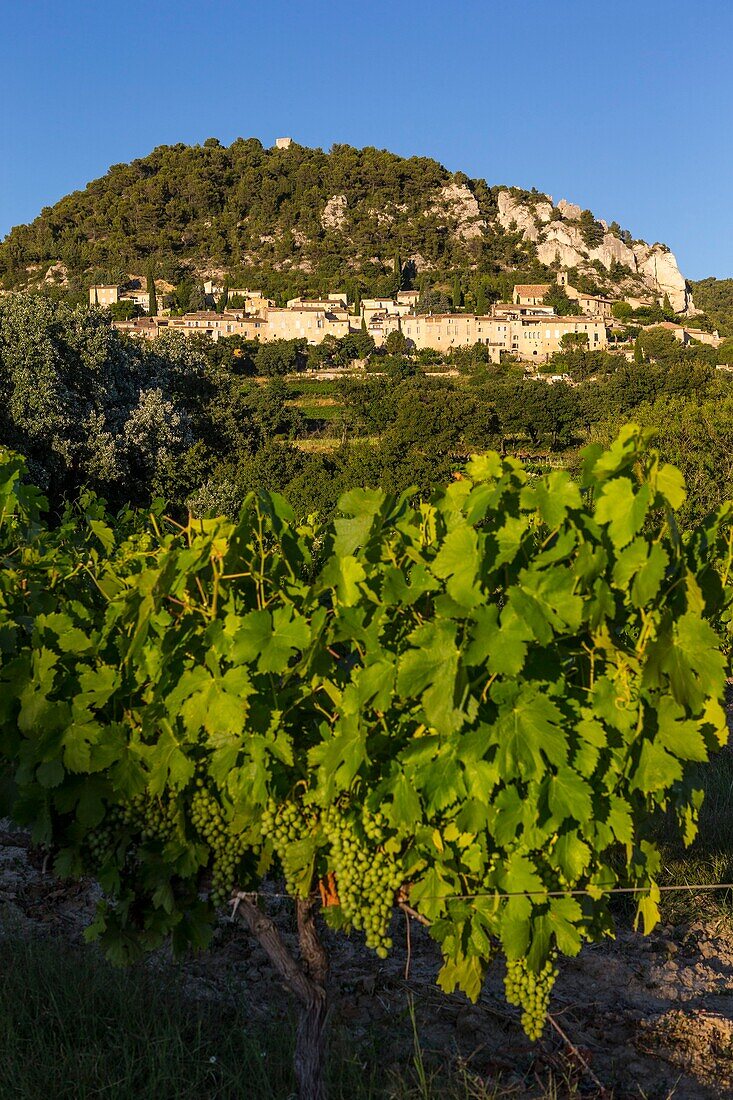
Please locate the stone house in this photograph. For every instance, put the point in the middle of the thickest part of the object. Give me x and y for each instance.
(685, 335)
(306, 321)
(530, 294)
(104, 295)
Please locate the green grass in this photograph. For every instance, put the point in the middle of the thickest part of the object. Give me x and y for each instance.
(74, 1028)
(314, 387)
(709, 860)
(315, 411)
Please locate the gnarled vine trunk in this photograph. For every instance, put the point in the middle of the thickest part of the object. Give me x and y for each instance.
(306, 979)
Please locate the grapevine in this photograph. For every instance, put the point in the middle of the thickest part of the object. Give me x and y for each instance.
(474, 703)
(287, 826)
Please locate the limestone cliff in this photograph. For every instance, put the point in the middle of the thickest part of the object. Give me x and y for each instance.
(557, 232)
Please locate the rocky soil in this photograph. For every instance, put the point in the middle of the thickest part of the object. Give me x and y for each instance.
(641, 1017)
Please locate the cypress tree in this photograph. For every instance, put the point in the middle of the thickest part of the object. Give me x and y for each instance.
(638, 351)
(152, 296)
(456, 293)
(481, 299)
(223, 298)
(397, 272)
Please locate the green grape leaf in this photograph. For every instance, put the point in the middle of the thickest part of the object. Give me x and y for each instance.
(622, 509)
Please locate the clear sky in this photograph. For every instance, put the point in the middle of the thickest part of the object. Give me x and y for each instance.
(624, 107)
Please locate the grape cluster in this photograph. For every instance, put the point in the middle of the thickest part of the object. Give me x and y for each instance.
(530, 992)
(285, 825)
(100, 842)
(366, 875)
(227, 847)
(155, 818)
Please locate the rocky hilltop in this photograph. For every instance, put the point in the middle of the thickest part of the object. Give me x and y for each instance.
(557, 234)
(298, 219)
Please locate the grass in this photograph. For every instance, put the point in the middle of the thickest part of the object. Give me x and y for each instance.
(709, 860)
(314, 387)
(74, 1028)
(320, 411)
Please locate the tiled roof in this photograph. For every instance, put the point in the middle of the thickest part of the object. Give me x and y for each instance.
(532, 290)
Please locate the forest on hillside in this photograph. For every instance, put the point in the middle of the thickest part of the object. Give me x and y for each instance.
(259, 211)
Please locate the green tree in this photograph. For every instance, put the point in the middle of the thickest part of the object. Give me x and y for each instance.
(223, 298)
(558, 299)
(571, 341)
(197, 298)
(281, 357)
(456, 292)
(396, 343)
(152, 296)
(622, 311)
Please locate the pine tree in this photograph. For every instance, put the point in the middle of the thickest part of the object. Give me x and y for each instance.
(152, 296)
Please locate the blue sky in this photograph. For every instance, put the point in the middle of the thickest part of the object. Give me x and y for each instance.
(626, 108)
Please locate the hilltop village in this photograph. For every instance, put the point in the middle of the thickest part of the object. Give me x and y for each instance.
(526, 328)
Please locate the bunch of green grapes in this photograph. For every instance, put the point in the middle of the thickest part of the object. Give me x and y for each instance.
(285, 825)
(227, 846)
(366, 875)
(530, 992)
(154, 818)
(100, 842)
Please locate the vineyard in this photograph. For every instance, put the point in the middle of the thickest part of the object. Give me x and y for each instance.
(481, 709)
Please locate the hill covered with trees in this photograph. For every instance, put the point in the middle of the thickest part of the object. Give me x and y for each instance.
(715, 297)
(301, 220)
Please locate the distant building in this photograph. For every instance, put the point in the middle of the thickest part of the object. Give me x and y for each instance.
(525, 329)
(685, 334)
(104, 295)
(522, 335)
(132, 291)
(283, 142)
(305, 321)
(530, 294)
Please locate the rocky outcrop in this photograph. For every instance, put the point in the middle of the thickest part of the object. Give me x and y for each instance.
(569, 210)
(658, 268)
(652, 269)
(562, 244)
(613, 251)
(527, 218)
(459, 202)
(334, 212)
